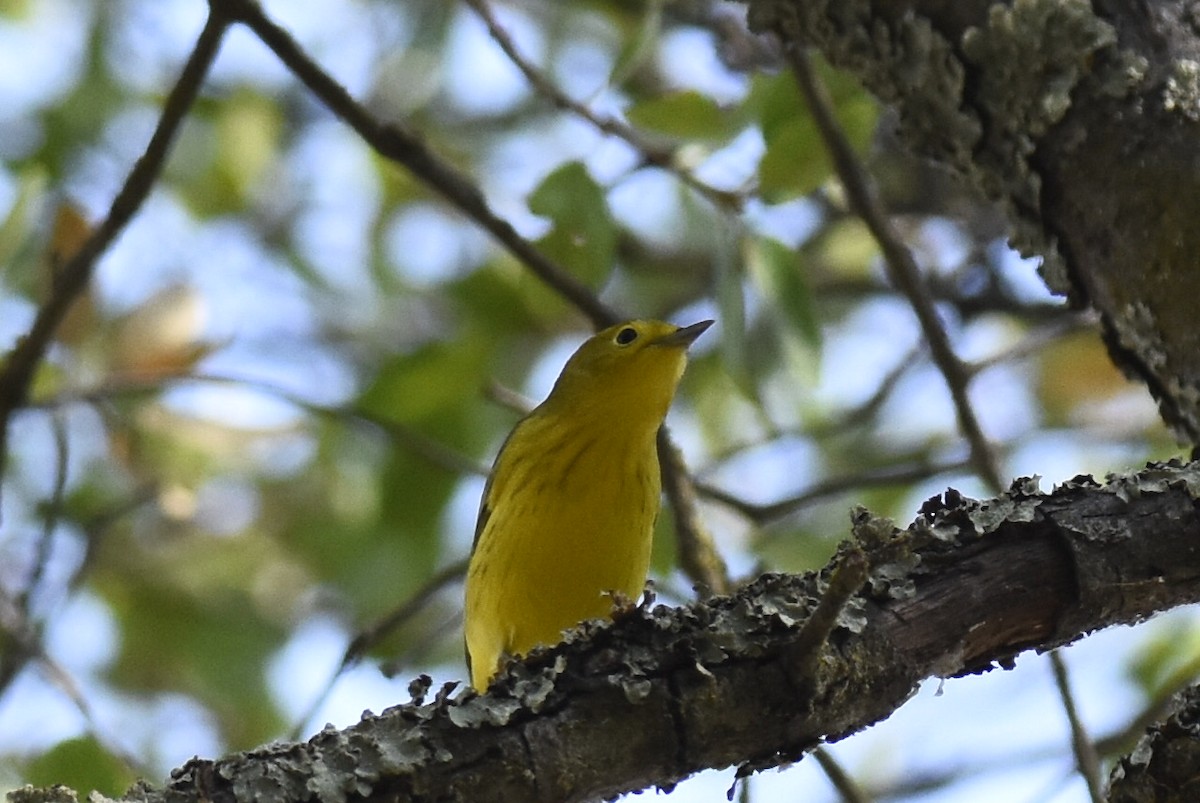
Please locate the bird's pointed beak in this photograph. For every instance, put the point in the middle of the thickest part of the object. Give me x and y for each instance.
(684, 337)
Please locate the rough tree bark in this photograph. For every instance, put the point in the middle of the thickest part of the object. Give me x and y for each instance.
(757, 678)
(1082, 119)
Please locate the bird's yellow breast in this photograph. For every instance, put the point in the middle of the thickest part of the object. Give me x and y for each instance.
(575, 527)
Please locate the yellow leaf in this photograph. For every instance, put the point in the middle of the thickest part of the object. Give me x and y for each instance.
(68, 234)
(163, 336)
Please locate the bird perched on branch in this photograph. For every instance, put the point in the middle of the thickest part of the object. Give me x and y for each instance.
(567, 515)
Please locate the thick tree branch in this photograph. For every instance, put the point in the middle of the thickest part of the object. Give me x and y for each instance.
(761, 677)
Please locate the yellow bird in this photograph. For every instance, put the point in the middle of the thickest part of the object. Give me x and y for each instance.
(567, 516)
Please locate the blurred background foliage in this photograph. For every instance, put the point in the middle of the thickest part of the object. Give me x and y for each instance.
(265, 425)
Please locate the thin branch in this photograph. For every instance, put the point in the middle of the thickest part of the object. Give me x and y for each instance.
(898, 259)
(434, 451)
(507, 397)
(73, 276)
(19, 623)
(98, 527)
(1034, 342)
(394, 141)
(845, 785)
(37, 573)
(698, 555)
(58, 675)
(883, 477)
(379, 630)
(23, 640)
(651, 153)
(1086, 760)
(867, 410)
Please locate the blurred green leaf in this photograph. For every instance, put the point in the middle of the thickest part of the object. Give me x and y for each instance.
(640, 41)
(1167, 659)
(421, 386)
(249, 126)
(731, 307)
(847, 248)
(497, 300)
(15, 231)
(226, 151)
(436, 391)
(796, 161)
(81, 764)
(777, 271)
(15, 9)
(584, 237)
(686, 114)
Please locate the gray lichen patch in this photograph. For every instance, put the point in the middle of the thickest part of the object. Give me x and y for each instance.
(1181, 93)
(905, 61)
(1138, 331)
(978, 102)
(1030, 59)
(1155, 478)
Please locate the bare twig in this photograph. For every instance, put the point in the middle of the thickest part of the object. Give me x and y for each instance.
(434, 451)
(398, 143)
(97, 528)
(866, 411)
(1086, 760)
(73, 276)
(1031, 344)
(379, 630)
(651, 153)
(698, 555)
(898, 259)
(507, 397)
(23, 641)
(889, 475)
(845, 785)
(851, 567)
(50, 522)
(20, 622)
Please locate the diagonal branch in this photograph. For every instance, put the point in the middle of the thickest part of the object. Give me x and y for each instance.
(898, 259)
(697, 552)
(651, 154)
(1087, 763)
(831, 486)
(72, 277)
(396, 142)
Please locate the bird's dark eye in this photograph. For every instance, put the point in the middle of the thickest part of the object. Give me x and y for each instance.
(626, 336)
